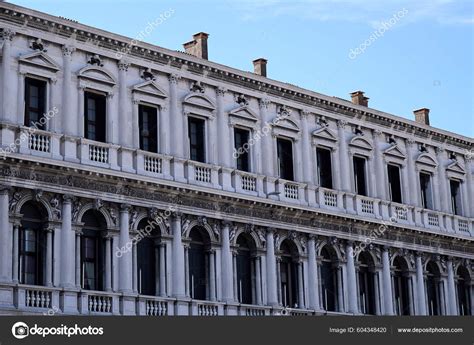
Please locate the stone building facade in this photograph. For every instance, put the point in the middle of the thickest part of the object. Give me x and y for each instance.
(156, 182)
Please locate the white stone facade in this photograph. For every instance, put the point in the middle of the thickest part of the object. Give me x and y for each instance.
(311, 250)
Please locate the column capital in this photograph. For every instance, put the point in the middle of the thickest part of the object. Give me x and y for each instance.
(410, 142)
(377, 133)
(125, 208)
(123, 65)
(264, 103)
(305, 113)
(174, 78)
(341, 124)
(221, 91)
(68, 198)
(8, 34)
(67, 50)
(440, 150)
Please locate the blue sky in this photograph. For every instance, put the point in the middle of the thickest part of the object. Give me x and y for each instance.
(425, 59)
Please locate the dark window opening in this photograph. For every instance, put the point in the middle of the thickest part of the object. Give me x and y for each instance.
(360, 176)
(196, 139)
(197, 265)
(328, 281)
(456, 202)
(324, 167)
(394, 184)
(285, 158)
(464, 291)
(241, 139)
(93, 251)
(433, 289)
(147, 266)
(426, 192)
(35, 103)
(366, 285)
(401, 287)
(288, 277)
(95, 116)
(147, 122)
(244, 271)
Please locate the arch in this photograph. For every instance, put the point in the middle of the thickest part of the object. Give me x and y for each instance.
(330, 278)
(92, 206)
(367, 282)
(402, 285)
(361, 143)
(190, 224)
(200, 101)
(289, 247)
(463, 288)
(97, 74)
(366, 257)
(427, 159)
(289, 270)
(299, 250)
(141, 216)
(333, 250)
(28, 196)
(433, 287)
(259, 242)
(403, 259)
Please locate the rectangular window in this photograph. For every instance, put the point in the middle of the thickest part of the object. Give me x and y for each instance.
(35, 103)
(147, 122)
(324, 167)
(456, 197)
(426, 191)
(94, 116)
(285, 158)
(196, 139)
(394, 183)
(360, 176)
(241, 139)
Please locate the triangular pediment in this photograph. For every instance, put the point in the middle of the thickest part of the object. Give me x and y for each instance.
(395, 151)
(456, 167)
(361, 143)
(427, 159)
(39, 59)
(97, 74)
(324, 133)
(286, 123)
(150, 88)
(244, 112)
(199, 100)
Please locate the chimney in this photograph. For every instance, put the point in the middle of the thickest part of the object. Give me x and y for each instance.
(198, 46)
(359, 98)
(260, 67)
(422, 116)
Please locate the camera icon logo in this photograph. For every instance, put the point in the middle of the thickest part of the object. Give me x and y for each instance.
(20, 330)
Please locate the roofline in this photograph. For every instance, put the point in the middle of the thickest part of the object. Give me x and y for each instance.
(234, 71)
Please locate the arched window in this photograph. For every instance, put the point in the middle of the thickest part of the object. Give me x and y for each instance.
(464, 291)
(198, 263)
(367, 287)
(245, 270)
(433, 290)
(402, 286)
(32, 245)
(93, 251)
(148, 261)
(329, 279)
(289, 269)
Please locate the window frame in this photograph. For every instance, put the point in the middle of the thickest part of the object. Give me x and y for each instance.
(291, 141)
(355, 175)
(36, 79)
(141, 105)
(95, 95)
(248, 153)
(204, 138)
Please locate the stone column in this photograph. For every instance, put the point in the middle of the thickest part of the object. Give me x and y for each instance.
(387, 282)
(134, 268)
(420, 283)
(125, 120)
(78, 259)
(163, 270)
(306, 143)
(4, 233)
(212, 275)
(186, 270)
(451, 298)
(280, 293)
(125, 261)
(266, 140)
(16, 230)
(445, 202)
(226, 265)
(301, 303)
(136, 127)
(177, 147)
(258, 281)
(67, 245)
(469, 210)
(271, 269)
(313, 279)
(379, 167)
(8, 76)
(80, 109)
(340, 291)
(21, 98)
(49, 257)
(223, 137)
(68, 118)
(234, 265)
(344, 165)
(412, 175)
(108, 263)
(351, 279)
(178, 258)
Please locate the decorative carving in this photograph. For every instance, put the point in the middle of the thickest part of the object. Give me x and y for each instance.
(123, 65)
(113, 215)
(341, 124)
(38, 45)
(185, 226)
(133, 216)
(37, 194)
(173, 78)
(241, 100)
(391, 140)
(98, 204)
(197, 86)
(261, 236)
(95, 60)
(221, 91)
(153, 213)
(249, 228)
(422, 148)
(68, 50)
(75, 210)
(215, 230)
(358, 131)
(148, 75)
(283, 111)
(14, 200)
(7, 34)
(322, 121)
(264, 103)
(56, 210)
(233, 231)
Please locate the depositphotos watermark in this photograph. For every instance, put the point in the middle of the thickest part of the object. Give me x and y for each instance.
(21, 330)
(384, 26)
